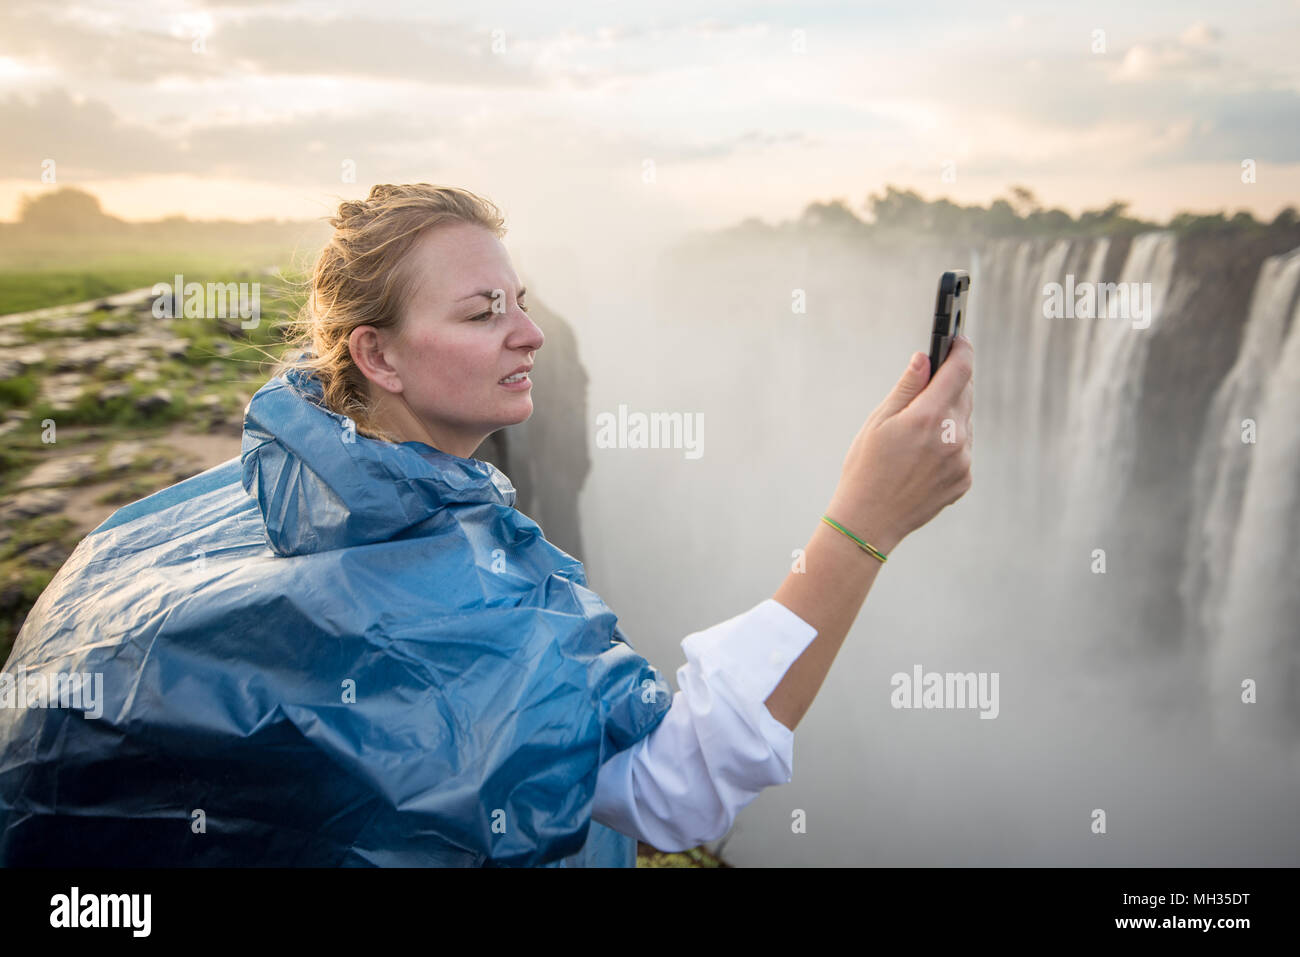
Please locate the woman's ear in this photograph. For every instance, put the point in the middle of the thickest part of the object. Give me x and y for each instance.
(369, 350)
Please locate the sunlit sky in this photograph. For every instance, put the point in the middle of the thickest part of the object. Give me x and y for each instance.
(247, 110)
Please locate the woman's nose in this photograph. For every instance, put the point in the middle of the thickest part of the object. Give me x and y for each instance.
(532, 336)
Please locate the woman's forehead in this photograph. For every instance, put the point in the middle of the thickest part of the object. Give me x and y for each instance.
(453, 264)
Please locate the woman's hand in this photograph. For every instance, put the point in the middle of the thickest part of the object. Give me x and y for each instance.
(909, 461)
(912, 457)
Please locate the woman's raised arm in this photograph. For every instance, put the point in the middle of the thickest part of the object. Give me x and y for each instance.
(905, 465)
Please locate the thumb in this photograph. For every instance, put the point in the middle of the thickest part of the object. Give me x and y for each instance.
(913, 380)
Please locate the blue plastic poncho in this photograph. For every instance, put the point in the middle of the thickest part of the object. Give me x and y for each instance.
(331, 651)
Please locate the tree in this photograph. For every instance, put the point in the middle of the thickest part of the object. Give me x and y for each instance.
(897, 208)
(1023, 200)
(66, 210)
(833, 214)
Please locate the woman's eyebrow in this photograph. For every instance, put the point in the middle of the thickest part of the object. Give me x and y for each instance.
(489, 294)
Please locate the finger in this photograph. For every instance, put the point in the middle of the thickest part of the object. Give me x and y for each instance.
(951, 379)
(909, 385)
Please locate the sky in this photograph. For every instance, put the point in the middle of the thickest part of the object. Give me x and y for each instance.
(668, 116)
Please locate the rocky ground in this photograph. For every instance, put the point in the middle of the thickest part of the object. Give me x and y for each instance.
(102, 404)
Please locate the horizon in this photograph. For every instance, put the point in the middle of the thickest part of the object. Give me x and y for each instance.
(672, 122)
(859, 212)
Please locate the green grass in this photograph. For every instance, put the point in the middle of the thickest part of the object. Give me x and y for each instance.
(31, 280)
(27, 585)
(34, 531)
(28, 282)
(18, 391)
(21, 292)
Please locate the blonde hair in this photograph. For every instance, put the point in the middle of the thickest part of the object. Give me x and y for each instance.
(362, 278)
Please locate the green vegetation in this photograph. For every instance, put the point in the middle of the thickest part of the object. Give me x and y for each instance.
(65, 249)
(647, 856)
(120, 373)
(904, 212)
(20, 586)
(42, 528)
(25, 288)
(17, 391)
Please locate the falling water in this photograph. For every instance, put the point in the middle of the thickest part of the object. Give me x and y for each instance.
(1120, 684)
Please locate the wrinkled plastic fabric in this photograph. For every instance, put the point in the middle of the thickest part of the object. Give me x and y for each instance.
(332, 651)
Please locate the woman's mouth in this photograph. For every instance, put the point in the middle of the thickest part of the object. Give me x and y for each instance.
(518, 381)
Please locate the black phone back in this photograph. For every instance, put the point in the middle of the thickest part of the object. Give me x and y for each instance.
(949, 311)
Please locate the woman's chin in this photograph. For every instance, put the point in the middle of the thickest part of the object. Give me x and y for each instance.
(526, 411)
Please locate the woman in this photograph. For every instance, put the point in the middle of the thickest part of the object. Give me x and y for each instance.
(348, 648)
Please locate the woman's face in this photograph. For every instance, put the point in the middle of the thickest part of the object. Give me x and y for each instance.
(437, 377)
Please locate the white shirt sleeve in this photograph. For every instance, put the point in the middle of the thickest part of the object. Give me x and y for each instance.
(684, 783)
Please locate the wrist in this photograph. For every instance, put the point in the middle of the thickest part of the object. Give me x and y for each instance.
(873, 530)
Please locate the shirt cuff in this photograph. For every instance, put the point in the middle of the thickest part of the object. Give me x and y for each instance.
(718, 746)
(742, 660)
(753, 650)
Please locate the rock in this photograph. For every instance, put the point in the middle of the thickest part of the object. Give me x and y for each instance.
(30, 504)
(84, 354)
(125, 362)
(176, 348)
(28, 356)
(62, 390)
(210, 407)
(10, 368)
(11, 593)
(121, 455)
(113, 390)
(154, 401)
(64, 470)
(49, 555)
(114, 327)
(146, 374)
(69, 325)
(159, 458)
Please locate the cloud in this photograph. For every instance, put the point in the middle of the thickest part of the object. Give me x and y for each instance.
(1190, 53)
(233, 39)
(88, 140)
(1199, 34)
(76, 45)
(275, 43)
(442, 53)
(748, 142)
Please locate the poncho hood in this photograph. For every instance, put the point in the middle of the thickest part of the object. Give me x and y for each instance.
(330, 651)
(319, 488)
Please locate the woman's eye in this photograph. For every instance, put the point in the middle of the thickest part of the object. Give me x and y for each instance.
(489, 314)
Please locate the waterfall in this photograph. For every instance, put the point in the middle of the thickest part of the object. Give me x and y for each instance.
(1067, 398)
(1122, 685)
(1107, 391)
(1240, 577)
(1224, 460)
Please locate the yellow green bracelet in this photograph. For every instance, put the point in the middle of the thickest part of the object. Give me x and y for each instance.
(874, 552)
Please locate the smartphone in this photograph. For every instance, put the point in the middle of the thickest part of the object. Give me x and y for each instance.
(949, 309)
